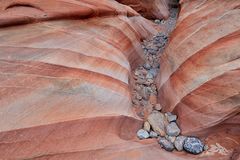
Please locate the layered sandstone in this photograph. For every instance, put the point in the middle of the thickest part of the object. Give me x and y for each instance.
(150, 8)
(65, 68)
(200, 70)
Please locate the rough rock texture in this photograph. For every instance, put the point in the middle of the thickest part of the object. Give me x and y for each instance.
(166, 144)
(150, 8)
(178, 143)
(193, 145)
(200, 71)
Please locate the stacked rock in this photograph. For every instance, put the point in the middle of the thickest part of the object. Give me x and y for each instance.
(145, 90)
(163, 126)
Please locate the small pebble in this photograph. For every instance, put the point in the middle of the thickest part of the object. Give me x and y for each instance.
(172, 129)
(157, 21)
(147, 66)
(146, 126)
(153, 134)
(205, 147)
(167, 145)
(158, 107)
(142, 134)
(171, 118)
(149, 75)
(170, 138)
(178, 143)
(153, 72)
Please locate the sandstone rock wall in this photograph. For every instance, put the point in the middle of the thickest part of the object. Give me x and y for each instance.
(200, 69)
(64, 71)
(149, 8)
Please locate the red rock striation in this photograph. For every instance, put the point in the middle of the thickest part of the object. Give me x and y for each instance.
(150, 8)
(64, 71)
(199, 78)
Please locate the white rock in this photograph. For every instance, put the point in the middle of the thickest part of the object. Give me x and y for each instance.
(153, 134)
(142, 134)
(146, 126)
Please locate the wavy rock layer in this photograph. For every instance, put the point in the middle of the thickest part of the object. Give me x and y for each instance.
(64, 82)
(64, 77)
(64, 90)
(200, 71)
(150, 8)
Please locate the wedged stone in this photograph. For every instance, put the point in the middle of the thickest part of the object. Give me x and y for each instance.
(153, 134)
(145, 93)
(148, 82)
(166, 144)
(153, 99)
(147, 66)
(158, 122)
(157, 21)
(137, 72)
(172, 129)
(170, 138)
(205, 148)
(158, 107)
(178, 143)
(136, 102)
(140, 81)
(153, 72)
(137, 96)
(138, 88)
(193, 145)
(142, 134)
(149, 75)
(171, 118)
(146, 126)
(144, 102)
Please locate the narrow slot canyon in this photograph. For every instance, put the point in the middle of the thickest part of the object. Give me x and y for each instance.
(119, 80)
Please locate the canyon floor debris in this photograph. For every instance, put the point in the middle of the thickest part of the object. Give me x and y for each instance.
(159, 125)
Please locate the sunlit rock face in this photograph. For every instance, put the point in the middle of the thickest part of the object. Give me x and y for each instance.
(149, 8)
(200, 70)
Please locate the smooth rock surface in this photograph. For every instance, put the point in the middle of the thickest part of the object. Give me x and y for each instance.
(64, 78)
(146, 126)
(200, 69)
(142, 134)
(171, 118)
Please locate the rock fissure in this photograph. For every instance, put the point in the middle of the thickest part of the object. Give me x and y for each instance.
(162, 126)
